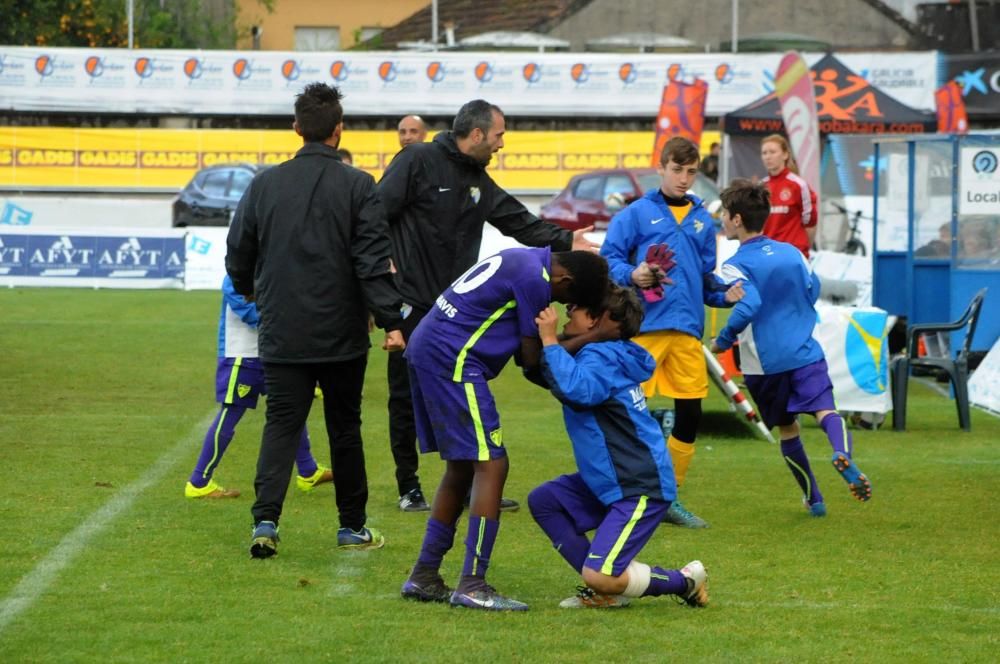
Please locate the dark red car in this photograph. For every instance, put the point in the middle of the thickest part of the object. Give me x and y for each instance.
(584, 201)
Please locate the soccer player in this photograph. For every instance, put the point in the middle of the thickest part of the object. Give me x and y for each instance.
(625, 481)
(674, 323)
(482, 320)
(239, 382)
(783, 365)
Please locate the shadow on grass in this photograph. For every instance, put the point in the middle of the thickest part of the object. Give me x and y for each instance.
(723, 424)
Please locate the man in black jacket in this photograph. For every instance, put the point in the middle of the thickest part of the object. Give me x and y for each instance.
(309, 242)
(437, 197)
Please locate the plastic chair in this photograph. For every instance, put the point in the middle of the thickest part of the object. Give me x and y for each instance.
(957, 368)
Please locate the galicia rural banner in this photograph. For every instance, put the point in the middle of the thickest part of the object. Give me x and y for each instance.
(396, 83)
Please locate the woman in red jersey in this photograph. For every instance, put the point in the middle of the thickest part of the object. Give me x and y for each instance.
(793, 204)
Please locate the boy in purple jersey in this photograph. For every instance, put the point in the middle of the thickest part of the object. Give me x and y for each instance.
(482, 320)
(784, 367)
(239, 383)
(625, 482)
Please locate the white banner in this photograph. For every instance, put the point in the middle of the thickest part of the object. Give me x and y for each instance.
(206, 257)
(854, 341)
(979, 180)
(984, 385)
(396, 83)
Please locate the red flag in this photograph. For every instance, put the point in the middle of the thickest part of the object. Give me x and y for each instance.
(951, 109)
(682, 113)
(793, 86)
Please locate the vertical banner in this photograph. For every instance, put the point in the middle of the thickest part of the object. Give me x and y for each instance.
(951, 115)
(793, 86)
(682, 113)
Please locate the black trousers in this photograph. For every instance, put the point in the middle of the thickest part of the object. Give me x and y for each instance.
(402, 430)
(290, 393)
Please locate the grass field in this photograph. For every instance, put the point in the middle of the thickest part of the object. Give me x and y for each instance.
(104, 398)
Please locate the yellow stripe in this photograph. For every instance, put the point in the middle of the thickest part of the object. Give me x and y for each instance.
(479, 544)
(231, 390)
(609, 562)
(790, 77)
(215, 441)
(477, 423)
(460, 362)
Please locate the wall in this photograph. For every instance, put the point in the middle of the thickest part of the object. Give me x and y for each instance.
(279, 27)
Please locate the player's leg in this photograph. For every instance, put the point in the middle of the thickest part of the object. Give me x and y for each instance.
(310, 474)
(812, 392)
(290, 394)
(239, 382)
(611, 570)
(402, 427)
(566, 509)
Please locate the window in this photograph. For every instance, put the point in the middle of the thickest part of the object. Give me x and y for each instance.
(215, 183)
(241, 180)
(317, 39)
(618, 184)
(649, 182)
(589, 189)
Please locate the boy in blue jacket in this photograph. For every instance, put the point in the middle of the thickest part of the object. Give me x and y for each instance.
(239, 382)
(674, 321)
(625, 482)
(784, 367)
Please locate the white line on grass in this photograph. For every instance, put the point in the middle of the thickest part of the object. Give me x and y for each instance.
(38, 580)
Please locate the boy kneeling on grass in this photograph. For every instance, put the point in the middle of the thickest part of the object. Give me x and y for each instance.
(625, 482)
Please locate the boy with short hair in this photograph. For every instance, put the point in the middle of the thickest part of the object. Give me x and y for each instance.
(625, 482)
(784, 367)
(674, 324)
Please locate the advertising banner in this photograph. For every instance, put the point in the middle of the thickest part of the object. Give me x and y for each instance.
(112, 259)
(682, 113)
(978, 180)
(166, 159)
(978, 75)
(855, 342)
(794, 89)
(397, 83)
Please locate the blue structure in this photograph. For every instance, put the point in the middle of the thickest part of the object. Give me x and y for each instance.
(937, 229)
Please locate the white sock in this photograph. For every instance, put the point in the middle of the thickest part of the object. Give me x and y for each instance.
(638, 579)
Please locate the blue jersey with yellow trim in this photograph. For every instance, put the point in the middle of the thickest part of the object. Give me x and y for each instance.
(648, 221)
(617, 444)
(477, 323)
(775, 319)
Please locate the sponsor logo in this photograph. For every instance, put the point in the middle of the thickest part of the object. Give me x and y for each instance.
(656, 221)
(444, 189)
(484, 72)
(15, 215)
(972, 80)
(724, 73)
(532, 72)
(579, 72)
(242, 390)
(785, 195)
(984, 161)
(94, 66)
(339, 70)
(290, 70)
(475, 194)
(388, 71)
(435, 72)
(193, 68)
(496, 437)
(628, 73)
(199, 245)
(143, 67)
(44, 65)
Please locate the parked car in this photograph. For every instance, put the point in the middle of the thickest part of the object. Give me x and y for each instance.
(210, 198)
(593, 198)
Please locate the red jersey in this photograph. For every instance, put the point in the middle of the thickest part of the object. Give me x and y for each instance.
(793, 209)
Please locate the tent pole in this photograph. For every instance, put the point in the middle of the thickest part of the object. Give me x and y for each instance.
(974, 25)
(735, 37)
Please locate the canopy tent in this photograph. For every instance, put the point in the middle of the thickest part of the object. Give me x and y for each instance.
(846, 103)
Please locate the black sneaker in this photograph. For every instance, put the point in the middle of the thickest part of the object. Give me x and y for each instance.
(414, 501)
(433, 589)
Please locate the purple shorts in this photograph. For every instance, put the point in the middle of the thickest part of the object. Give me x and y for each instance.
(239, 381)
(459, 421)
(782, 396)
(622, 528)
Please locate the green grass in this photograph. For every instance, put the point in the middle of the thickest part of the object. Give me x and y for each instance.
(101, 390)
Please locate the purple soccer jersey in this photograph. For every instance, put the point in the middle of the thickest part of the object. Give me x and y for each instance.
(477, 323)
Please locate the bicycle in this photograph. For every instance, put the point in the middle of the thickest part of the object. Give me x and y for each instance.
(853, 245)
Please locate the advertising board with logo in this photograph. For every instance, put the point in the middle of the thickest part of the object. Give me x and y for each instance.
(111, 259)
(978, 75)
(979, 180)
(397, 83)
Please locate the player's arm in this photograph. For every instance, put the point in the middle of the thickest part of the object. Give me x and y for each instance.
(247, 311)
(241, 243)
(370, 253)
(743, 312)
(810, 213)
(619, 249)
(577, 381)
(399, 184)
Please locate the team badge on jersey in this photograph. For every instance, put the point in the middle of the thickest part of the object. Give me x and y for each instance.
(474, 193)
(698, 225)
(243, 390)
(785, 194)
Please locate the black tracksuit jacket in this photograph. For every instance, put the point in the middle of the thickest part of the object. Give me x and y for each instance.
(437, 200)
(310, 242)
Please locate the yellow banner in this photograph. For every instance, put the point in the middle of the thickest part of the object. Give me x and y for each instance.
(168, 158)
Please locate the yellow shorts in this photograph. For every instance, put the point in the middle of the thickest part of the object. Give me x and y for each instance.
(680, 365)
